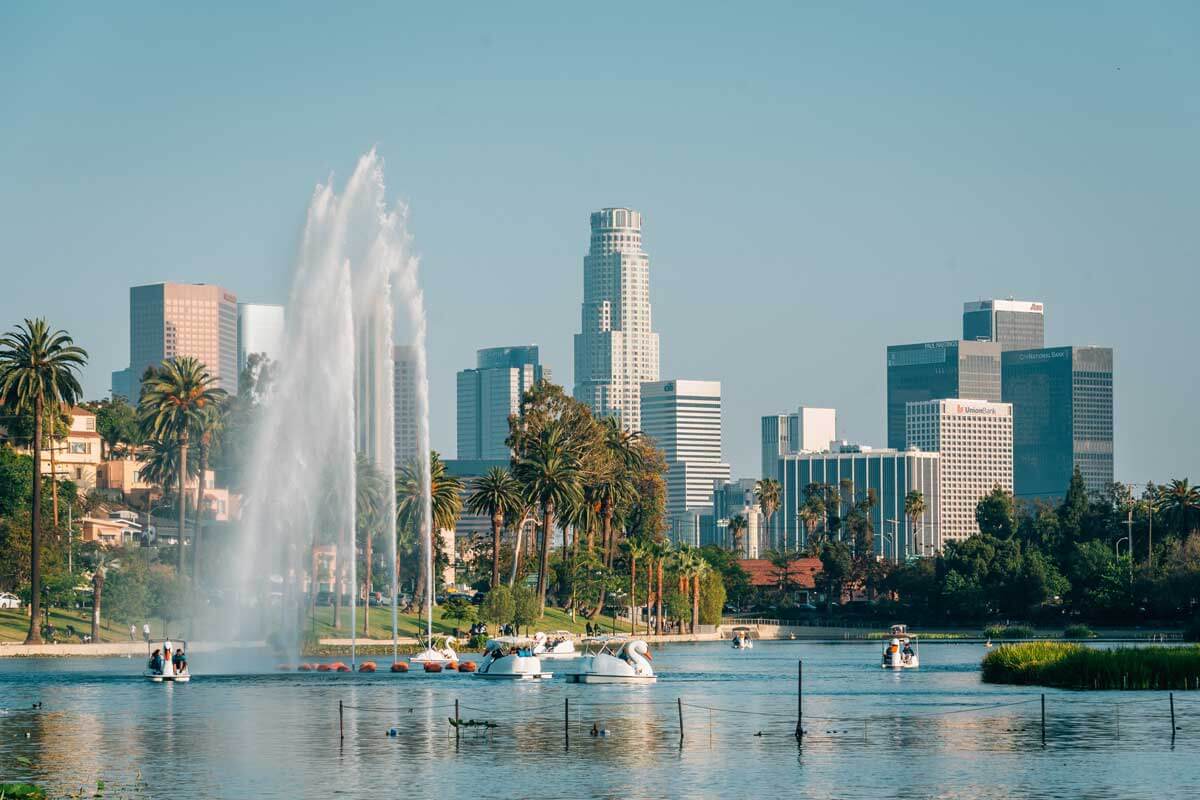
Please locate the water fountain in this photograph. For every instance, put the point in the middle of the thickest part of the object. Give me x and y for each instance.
(331, 399)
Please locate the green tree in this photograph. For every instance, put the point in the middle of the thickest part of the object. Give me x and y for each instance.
(38, 371)
(526, 607)
(1072, 510)
(767, 492)
(496, 495)
(549, 473)
(172, 405)
(735, 578)
(460, 609)
(117, 424)
(915, 508)
(1179, 502)
(836, 570)
(167, 594)
(445, 509)
(737, 530)
(126, 589)
(996, 514)
(498, 606)
(712, 598)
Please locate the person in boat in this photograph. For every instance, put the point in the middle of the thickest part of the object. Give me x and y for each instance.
(908, 651)
(156, 662)
(179, 661)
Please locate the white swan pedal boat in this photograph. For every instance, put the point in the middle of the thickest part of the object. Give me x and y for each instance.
(164, 671)
(511, 658)
(557, 645)
(900, 651)
(741, 639)
(612, 659)
(432, 654)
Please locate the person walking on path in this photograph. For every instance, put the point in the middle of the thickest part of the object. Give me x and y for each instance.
(132, 632)
(146, 631)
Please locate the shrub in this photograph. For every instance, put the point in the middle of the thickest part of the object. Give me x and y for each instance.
(1008, 632)
(1079, 632)
(1191, 633)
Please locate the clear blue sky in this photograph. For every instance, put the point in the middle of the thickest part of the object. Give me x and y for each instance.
(817, 180)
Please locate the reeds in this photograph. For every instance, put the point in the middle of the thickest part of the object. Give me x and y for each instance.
(1008, 632)
(1075, 666)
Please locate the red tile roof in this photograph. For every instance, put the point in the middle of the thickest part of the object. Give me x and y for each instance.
(802, 572)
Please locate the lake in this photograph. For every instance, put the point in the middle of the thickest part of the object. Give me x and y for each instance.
(241, 729)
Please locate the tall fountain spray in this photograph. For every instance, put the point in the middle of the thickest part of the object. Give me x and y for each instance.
(331, 400)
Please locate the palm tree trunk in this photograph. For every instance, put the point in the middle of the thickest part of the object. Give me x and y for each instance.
(544, 557)
(606, 516)
(336, 586)
(196, 525)
(367, 584)
(649, 592)
(517, 538)
(97, 592)
(183, 448)
(35, 532)
(658, 600)
(632, 594)
(497, 524)
(695, 602)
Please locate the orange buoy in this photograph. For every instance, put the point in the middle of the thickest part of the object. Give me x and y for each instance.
(366, 666)
(399, 666)
(324, 668)
(433, 666)
(305, 668)
(452, 665)
(466, 666)
(340, 667)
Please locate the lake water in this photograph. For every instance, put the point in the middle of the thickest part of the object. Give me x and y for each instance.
(937, 731)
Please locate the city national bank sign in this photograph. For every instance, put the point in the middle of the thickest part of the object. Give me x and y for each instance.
(989, 411)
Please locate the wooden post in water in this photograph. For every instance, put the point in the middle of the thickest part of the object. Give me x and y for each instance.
(1172, 718)
(679, 704)
(800, 699)
(566, 723)
(1043, 720)
(341, 726)
(457, 719)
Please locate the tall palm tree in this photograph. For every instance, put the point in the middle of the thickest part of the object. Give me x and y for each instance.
(209, 426)
(445, 494)
(692, 567)
(171, 407)
(634, 548)
(496, 494)
(160, 465)
(915, 508)
(737, 529)
(38, 370)
(1179, 501)
(550, 479)
(812, 512)
(767, 492)
(660, 551)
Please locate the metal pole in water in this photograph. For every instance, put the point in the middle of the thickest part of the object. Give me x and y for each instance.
(679, 704)
(1043, 720)
(800, 699)
(1172, 717)
(341, 726)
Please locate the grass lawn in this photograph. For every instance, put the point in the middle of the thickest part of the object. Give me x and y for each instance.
(413, 625)
(14, 624)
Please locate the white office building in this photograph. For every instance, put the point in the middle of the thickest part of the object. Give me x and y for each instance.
(683, 418)
(404, 403)
(259, 330)
(975, 440)
(808, 430)
(616, 350)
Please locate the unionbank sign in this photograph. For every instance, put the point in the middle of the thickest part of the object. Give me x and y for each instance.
(990, 411)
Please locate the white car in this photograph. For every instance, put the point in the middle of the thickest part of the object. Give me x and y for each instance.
(9, 600)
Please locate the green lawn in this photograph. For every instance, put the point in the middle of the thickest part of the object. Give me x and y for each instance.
(413, 625)
(14, 624)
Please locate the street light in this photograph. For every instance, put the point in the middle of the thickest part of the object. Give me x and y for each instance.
(895, 538)
(1128, 552)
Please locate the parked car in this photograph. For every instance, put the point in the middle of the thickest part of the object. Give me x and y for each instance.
(9, 600)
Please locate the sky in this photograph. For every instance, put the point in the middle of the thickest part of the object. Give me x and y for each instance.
(817, 180)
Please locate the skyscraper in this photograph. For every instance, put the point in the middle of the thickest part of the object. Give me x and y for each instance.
(1013, 324)
(404, 403)
(489, 393)
(936, 370)
(1062, 400)
(172, 320)
(259, 330)
(616, 350)
(975, 442)
(807, 430)
(683, 418)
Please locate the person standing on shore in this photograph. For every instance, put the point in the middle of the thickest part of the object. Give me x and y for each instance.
(132, 632)
(146, 631)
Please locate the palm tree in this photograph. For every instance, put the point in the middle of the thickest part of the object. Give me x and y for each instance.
(1180, 502)
(209, 426)
(692, 567)
(549, 475)
(37, 372)
(497, 494)
(812, 512)
(915, 508)
(370, 506)
(660, 551)
(737, 529)
(767, 492)
(634, 548)
(445, 494)
(171, 407)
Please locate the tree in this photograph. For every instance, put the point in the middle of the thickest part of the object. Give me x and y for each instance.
(737, 529)
(497, 495)
(767, 492)
(97, 559)
(445, 508)
(498, 606)
(459, 608)
(526, 607)
(117, 424)
(781, 562)
(915, 508)
(634, 548)
(1073, 509)
(810, 513)
(996, 514)
(168, 595)
(370, 509)
(171, 407)
(1179, 502)
(712, 598)
(836, 569)
(38, 371)
(210, 424)
(549, 473)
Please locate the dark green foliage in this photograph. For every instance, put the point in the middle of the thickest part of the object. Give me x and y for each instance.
(1079, 632)
(996, 514)
(1008, 632)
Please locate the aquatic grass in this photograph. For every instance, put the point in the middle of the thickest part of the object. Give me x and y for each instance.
(1079, 632)
(1008, 632)
(1075, 666)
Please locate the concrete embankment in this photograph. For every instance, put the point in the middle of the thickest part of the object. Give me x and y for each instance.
(107, 649)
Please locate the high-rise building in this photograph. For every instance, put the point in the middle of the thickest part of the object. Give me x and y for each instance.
(404, 404)
(616, 350)
(807, 430)
(1062, 399)
(683, 419)
(853, 473)
(172, 320)
(489, 394)
(1013, 324)
(975, 442)
(259, 331)
(736, 498)
(937, 370)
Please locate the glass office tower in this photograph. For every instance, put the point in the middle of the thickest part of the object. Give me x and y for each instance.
(936, 371)
(1014, 324)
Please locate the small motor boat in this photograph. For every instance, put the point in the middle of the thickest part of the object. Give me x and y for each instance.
(614, 660)
(511, 658)
(741, 639)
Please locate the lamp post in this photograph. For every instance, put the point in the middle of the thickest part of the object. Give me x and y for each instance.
(895, 523)
(1129, 552)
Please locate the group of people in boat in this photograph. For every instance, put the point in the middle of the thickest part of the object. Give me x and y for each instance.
(905, 650)
(177, 658)
(502, 649)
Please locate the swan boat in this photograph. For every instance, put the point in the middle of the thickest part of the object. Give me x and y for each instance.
(167, 673)
(741, 639)
(557, 645)
(432, 654)
(511, 658)
(614, 660)
(900, 651)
